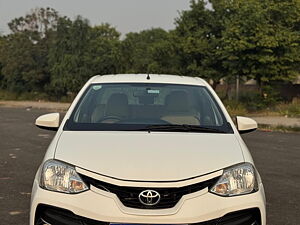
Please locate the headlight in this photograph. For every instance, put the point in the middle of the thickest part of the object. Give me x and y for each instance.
(61, 177)
(236, 180)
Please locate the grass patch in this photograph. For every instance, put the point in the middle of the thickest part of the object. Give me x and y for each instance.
(30, 96)
(279, 128)
(290, 110)
(235, 108)
(281, 109)
(33, 96)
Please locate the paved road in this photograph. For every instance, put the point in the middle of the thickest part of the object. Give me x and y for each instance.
(22, 147)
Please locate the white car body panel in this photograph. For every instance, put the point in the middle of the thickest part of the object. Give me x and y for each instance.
(156, 155)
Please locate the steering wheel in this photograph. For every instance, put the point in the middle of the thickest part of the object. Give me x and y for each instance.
(115, 118)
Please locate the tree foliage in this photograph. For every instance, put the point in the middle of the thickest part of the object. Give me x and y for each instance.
(24, 52)
(78, 51)
(259, 39)
(24, 65)
(40, 20)
(149, 51)
(199, 37)
(252, 38)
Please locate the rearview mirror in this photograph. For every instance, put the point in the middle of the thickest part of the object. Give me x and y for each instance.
(48, 121)
(245, 124)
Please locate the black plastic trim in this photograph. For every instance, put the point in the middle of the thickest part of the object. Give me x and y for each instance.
(48, 128)
(129, 196)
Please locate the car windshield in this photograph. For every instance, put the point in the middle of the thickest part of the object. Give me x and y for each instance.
(147, 106)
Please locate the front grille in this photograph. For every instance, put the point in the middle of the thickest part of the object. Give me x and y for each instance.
(129, 196)
(57, 216)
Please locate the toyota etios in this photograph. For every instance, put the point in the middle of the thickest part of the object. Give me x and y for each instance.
(147, 149)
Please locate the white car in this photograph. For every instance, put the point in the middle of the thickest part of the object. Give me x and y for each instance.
(147, 149)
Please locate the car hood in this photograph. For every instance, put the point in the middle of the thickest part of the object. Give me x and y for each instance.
(143, 156)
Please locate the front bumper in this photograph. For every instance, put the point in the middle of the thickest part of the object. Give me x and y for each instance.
(99, 207)
(49, 215)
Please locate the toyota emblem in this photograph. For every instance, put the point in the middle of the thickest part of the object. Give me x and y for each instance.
(149, 197)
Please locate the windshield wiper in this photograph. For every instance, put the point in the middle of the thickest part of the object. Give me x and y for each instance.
(183, 128)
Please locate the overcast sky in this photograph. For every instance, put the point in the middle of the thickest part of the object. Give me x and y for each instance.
(125, 15)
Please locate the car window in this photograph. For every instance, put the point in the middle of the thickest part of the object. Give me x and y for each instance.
(106, 106)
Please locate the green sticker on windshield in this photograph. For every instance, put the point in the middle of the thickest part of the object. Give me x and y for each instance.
(97, 87)
(153, 91)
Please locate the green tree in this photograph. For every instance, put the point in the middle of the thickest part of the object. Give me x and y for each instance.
(149, 51)
(80, 51)
(40, 21)
(104, 50)
(199, 36)
(23, 66)
(23, 53)
(163, 55)
(252, 38)
(66, 56)
(261, 39)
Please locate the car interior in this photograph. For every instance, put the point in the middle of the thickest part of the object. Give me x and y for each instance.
(174, 106)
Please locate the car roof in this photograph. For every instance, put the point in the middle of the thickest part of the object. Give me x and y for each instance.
(154, 78)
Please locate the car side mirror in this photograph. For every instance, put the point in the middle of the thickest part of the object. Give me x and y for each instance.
(48, 121)
(245, 124)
